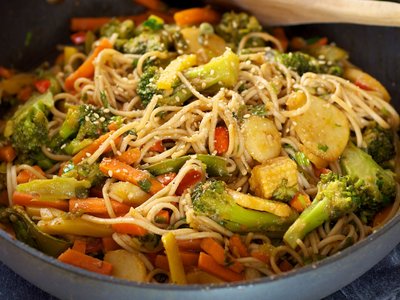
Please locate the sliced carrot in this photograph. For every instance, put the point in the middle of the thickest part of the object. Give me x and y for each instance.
(42, 85)
(260, 255)
(79, 245)
(96, 206)
(25, 199)
(189, 259)
(221, 139)
(162, 217)
(318, 172)
(322, 41)
(89, 150)
(84, 261)
(4, 197)
(7, 153)
(300, 202)
(381, 216)
(280, 34)
(25, 93)
(6, 73)
(113, 126)
(236, 266)
(152, 4)
(26, 175)
(237, 247)
(157, 147)
(208, 264)
(124, 172)
(195, 16)
(213, 248)
(190, 245)
(87, 68)
(85, 24)
(109, 244)
(130, 156)
(190, 179)
(285, 266)
(129, 228)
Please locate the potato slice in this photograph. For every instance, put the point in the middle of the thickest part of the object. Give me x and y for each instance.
(126, 265)
(215, 45)
(261, 138)
(274, 207)
(129, 193)
(323, 129)
(366, 82)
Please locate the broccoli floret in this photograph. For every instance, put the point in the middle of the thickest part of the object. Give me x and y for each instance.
(284, 192)
(234, 26)
(27, 129)
(337, 196)
(365, 188)
(125, 29)
(145, 42)
(221, 71)
(213, 200)
(303, 63)
(84, 171)
(379, 185)
(82, 124)
(379, 143)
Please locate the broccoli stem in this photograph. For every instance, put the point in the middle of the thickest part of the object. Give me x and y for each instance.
(312, 217)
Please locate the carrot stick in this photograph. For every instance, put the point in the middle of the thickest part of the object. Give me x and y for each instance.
(124, 172)
(130, 156)
(26, 176)
(85, 24)
(262, 256)
(152, 4)
(211, 247)
(190, 245)
(279, 33)
(84, 261)
(166, 178)
(89, 150)
(109, 244)
(300, 202)
(87, 68)
(80, 246)
(25, 199)
(129, 228)
(157, 147)
(189, 259)
(96, 206)
(208, 264)
(237, 247)
(221, 139)
(285, 266)
(4, 197)
(162, 217)
(195, 16)
(7, 153)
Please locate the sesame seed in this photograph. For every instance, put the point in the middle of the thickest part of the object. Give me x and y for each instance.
(184, 91)
(177, 98)
(106, 110)
(110, 173)
(102, 119)
(87, 119)
(96, 115)
(203, 85)
(246, 116)
(88, 154)
(212, 72)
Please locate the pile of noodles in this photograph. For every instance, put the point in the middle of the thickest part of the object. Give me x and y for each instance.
(191, 128)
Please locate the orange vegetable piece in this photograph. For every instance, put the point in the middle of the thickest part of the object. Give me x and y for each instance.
(84, 261)
(130, 156)
(7, 153)
(208, 264)
(196, 16)
(300, 202)
(26, 176)
(221, 139)
(96, 206)
(129, 228)
(237, 247)
(79, 245)
(109, 244)
(25, 199)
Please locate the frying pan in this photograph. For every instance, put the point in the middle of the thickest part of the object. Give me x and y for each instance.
(29, 33)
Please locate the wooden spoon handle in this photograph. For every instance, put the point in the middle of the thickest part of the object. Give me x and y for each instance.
(288, 12)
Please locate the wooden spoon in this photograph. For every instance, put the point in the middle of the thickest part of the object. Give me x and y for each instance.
(291, 12)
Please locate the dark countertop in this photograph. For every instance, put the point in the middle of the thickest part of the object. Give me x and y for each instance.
(381, 282)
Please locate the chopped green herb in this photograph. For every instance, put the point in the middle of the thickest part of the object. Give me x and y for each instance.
(323, 148)
(145, 185)
(302, 159)
(103, 98)
(258, 110)
(154, 23)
